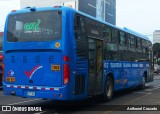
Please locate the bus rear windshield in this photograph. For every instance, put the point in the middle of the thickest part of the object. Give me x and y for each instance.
(34, 26)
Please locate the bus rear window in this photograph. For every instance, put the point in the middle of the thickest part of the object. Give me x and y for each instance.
(34, 26)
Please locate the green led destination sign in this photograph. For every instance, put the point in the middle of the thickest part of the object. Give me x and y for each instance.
(32, 26)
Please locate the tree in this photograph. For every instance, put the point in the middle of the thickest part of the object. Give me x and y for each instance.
(156, 51)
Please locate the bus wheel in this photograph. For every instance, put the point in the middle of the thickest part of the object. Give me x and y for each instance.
(108, 90)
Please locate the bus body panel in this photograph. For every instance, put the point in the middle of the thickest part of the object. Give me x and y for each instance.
(38, 67)
(126, 74)
(34, 68)
(35, 77)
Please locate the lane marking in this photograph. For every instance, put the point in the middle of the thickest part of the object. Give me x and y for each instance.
(135, 99)
(152, 89)
(24, 102)
(142, 93)
(107, 112)
(40, 112)
(157, 86)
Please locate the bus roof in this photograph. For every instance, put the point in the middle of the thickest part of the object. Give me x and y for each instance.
(136, 33)
(125, 29)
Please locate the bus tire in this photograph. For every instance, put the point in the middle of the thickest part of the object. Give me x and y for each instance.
(108, 88)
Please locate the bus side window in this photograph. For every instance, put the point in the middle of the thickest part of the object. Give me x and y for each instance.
(138, 42)
(108, 34)
(128, 40)
(122, 38)
(79, 27)
(115, 36)
(132, 42)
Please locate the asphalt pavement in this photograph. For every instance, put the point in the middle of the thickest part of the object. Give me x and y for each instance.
(125, 102)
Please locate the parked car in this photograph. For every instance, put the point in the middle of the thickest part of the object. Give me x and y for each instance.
(156, 68)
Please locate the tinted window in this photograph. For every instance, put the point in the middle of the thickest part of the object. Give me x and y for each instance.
(108, 34)
(34, 26)
(122, 38)
(79, 27)
(138, 42)
(144, 43)
(114, 36)
(132, 41)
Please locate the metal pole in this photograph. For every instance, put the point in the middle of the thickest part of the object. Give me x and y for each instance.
(104, 13)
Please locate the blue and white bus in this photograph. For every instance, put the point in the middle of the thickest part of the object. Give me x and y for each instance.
(63, 54)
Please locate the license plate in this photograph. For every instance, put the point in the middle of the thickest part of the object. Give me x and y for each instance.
(55, 67)
(31, 93)
(10, 79)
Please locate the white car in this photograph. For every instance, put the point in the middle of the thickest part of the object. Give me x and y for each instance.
(156, 68)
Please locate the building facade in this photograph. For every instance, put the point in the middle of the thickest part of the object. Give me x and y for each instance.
(156, 36)
(101, 9)
(1, 40)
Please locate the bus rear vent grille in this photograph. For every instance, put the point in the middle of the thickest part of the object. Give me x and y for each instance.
(37, 59)
(79, 84)
(25, 59)
(51, 59)
(12, 59)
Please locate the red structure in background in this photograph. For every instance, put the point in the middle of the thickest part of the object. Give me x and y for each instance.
(1, 41)
(1, 59)
(1, 34)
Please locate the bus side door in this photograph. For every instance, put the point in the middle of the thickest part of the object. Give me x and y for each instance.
(95, 66)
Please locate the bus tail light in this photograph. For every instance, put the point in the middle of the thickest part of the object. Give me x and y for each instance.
(66, 74)
(66, 58)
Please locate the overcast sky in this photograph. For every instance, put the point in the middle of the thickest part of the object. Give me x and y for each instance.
(5, 7)
(142, 16)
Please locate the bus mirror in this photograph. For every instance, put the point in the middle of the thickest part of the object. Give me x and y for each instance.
(33, 9)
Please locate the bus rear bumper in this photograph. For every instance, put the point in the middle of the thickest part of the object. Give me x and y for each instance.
(37, 92)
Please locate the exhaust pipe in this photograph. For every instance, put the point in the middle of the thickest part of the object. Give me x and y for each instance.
(13, 93)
